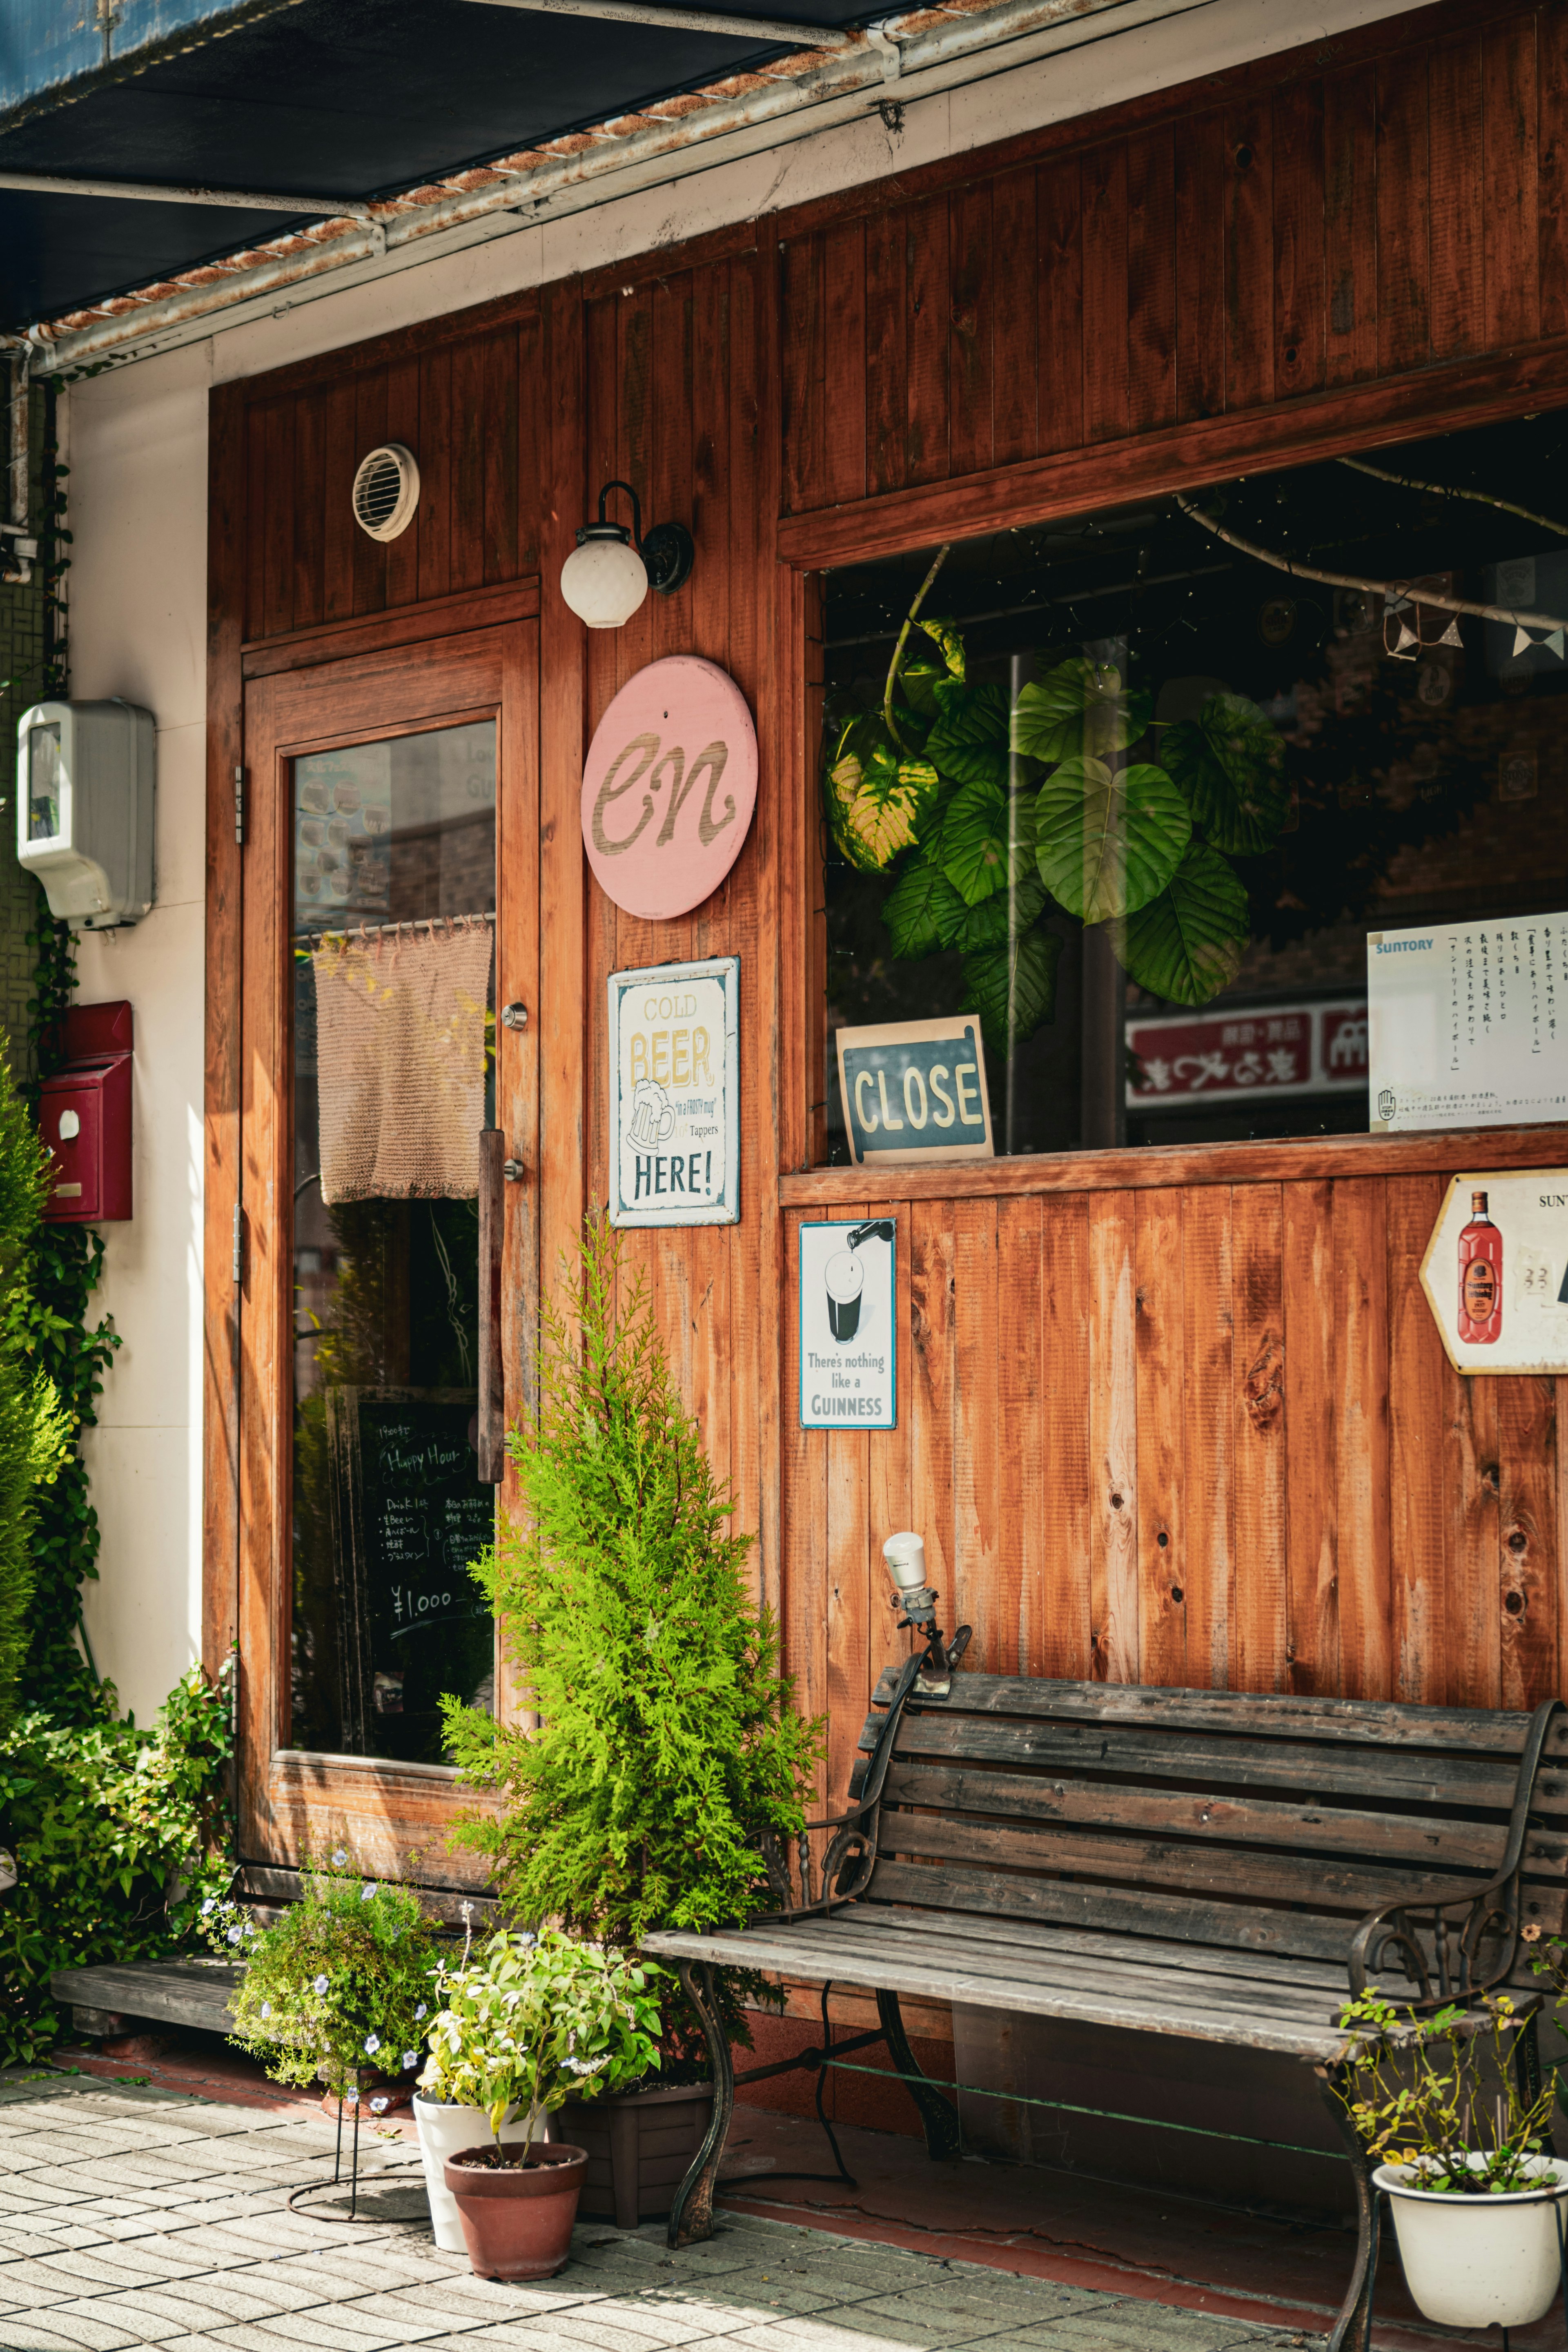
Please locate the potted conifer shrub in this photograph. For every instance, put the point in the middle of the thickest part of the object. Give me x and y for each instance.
(669, 1744)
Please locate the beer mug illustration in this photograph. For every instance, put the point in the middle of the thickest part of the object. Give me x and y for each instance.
(653, 1117)
(845, 1280)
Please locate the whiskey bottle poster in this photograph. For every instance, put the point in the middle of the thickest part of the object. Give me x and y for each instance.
(1496, 1271)
(1467, 1025)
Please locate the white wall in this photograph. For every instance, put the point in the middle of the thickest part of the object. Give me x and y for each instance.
(138, 458)
(137, 446)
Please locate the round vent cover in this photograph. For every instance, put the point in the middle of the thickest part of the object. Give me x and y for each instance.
(386, 490)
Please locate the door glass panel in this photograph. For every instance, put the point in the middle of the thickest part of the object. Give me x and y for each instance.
(393, 1037)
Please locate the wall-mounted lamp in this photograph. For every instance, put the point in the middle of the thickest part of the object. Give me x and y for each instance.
(611, 570)
(905, 1555)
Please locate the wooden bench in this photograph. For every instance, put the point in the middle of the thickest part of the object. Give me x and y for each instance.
(1227, 1868)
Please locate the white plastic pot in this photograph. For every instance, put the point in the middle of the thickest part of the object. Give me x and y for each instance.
(443, 2131)
(1482, 2261)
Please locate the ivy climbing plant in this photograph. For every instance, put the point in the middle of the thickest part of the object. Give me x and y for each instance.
(991, 813)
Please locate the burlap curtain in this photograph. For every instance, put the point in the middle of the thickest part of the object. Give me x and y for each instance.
(400, 1024)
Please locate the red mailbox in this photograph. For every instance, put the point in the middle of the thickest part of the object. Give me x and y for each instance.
(84, 1116)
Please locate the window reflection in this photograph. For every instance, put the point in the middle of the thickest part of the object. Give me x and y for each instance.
(1134, 795)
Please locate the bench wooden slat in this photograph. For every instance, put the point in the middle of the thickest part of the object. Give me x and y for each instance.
(842, 1938)
(1029, 1936)
(1211, 1819)
(1237, 1870)
(1151, 2011)
(1362, 1722)
(1144, 1754)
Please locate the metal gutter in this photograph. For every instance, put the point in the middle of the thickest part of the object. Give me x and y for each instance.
(905, 58)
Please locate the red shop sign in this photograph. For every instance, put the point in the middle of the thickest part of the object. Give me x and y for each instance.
(1275, 1049)
(670, 786)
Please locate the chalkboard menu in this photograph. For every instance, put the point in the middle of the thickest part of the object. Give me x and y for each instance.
(409, 1516)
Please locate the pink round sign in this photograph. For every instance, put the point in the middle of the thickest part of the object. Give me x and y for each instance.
(670, 786)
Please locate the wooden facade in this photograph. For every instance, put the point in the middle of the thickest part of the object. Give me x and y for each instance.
(1179, 1416)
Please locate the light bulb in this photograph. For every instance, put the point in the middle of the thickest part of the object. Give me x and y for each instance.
(603, 580)
(906, 1556)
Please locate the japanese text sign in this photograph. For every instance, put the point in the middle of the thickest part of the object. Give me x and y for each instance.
(1468, 1026)
(675, 1156)
(1275, 1049)
(915, 1090)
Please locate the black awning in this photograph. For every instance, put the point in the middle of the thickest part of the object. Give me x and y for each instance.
(331, 98)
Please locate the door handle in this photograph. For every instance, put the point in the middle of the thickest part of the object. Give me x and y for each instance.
(492, 1370)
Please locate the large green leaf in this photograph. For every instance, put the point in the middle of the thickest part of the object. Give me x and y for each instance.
(1228, 761)
(969, 741)
(876, 800)
(1013, 987)
(984, 841)
(1187, 944)
(1078, 710)
(1107, 843)
(922, 911)
(946, 635)
(998, 919)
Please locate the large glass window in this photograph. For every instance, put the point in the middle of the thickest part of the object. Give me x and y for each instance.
(1132, 795)
(392, 946)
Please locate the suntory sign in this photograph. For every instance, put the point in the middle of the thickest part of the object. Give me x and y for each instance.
(670, 786)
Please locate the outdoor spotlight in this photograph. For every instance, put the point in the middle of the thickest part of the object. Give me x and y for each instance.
(905, 1555)
(611, 570)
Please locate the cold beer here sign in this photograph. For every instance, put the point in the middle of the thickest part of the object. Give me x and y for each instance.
(915, 1090)
(675, 1156)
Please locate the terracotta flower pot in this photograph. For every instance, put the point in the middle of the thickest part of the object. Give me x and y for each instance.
(517, 2217)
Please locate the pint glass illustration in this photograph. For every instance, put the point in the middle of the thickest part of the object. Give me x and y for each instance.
(845, 1280)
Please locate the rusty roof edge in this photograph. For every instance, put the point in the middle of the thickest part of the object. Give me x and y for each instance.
(899, 57)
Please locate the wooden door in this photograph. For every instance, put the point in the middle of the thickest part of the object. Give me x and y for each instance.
(369, 783)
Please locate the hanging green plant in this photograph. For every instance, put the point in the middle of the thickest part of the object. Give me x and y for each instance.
(992, 815)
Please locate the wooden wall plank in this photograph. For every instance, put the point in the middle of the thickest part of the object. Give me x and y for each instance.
(889, 1483)
(307, 507)
(929, 293)
(1509, 198)
(1456, 199)
(1064, 1613)
(1310, 1417)
(1105, 362)
(805, 347)
(1360, 1278)
(984, 1595)
(401, 421)
(1161, 1377)
(470, 428)
(1300, 323)
(1527, 1515)
(970, 380)
(1472, 1582)
(1207, 1564)
(1552, 158)
(1017, 1438)
(1249, 338)
(1015, 325)
(1349, 223)
(1152, 281)
(844, 305)
(533, 441)
(276, 521)
(338, 461)
(499, 458)
(433, 516)
(1113, 1436)
(1201, 185)
(933, 1308)
(886, 353)
(1416, 1368)
(1059, 227)
(1403, 286)
(1260, 1608)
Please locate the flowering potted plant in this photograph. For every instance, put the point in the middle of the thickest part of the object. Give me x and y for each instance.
(529, 2022)
(1478, 2207)
(338, 1991)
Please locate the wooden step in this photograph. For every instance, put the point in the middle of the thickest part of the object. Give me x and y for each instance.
(115, 1997)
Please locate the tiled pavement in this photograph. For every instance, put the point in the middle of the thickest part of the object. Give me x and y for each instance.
(132, 2217)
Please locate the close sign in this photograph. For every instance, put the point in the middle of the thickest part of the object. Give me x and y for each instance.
(915, 1090)
(669, 787)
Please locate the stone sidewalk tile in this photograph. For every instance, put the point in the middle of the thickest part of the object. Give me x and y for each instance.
(311, 2330)
(225, 2298)
(84, 2329)
(964, 2302)
(741, 2291)
(536, 2300)
(605, 2328)
(145, 2316)
(818, 2335)
(30, 2338)
(1133, 2325)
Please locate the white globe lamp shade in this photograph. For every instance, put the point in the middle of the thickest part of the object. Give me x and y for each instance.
(603, 580)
